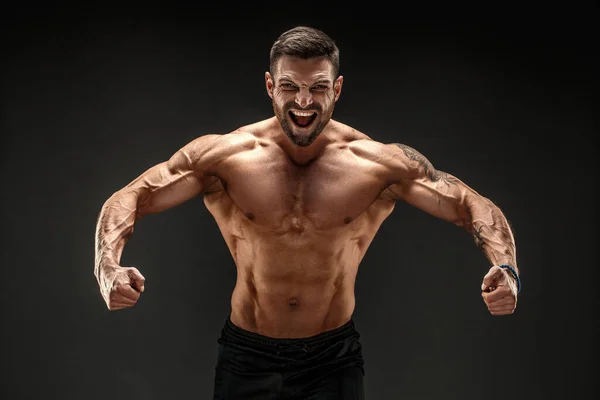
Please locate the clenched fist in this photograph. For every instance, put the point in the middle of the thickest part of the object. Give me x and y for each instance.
(499, 291)
(120, 287)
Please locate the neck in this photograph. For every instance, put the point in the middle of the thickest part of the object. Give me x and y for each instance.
(303, 155)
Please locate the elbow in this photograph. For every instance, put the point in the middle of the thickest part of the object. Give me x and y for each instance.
(471, 209)
(143, 203)
(134, 200)
(478, 210)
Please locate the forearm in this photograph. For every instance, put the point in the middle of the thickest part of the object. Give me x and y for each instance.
(491, 232)
(114, 227)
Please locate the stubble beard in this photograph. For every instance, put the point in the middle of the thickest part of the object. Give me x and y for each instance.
(323, 119)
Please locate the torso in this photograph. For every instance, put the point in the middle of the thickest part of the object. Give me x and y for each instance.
(297, 233)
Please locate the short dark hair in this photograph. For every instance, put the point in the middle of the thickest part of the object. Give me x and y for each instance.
(305, 42)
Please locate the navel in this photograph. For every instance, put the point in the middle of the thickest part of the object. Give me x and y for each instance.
(293, 302)
(297, 224)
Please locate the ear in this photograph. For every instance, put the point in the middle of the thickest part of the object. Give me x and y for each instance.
(337, 87)
(269, 84)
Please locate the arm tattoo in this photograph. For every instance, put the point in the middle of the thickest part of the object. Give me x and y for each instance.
(467, 223)
(433, 174)
(478, 237)
(488, 226)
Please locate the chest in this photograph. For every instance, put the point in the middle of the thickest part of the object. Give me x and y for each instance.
(269, 189)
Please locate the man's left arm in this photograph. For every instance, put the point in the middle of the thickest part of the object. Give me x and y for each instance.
(417, 182)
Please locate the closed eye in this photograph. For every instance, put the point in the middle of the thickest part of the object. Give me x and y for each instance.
(288, 86)
(320, 88)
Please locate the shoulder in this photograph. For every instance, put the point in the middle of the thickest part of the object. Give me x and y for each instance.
(208, 144)
(401, 160)
(385, 153)
(343, 133)
(208, 150)
(365, 146)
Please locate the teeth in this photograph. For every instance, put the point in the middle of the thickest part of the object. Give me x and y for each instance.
(302, 114)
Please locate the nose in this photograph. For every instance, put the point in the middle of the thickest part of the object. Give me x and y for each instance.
(304, 97)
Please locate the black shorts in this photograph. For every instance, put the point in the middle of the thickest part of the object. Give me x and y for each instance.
(325, 366)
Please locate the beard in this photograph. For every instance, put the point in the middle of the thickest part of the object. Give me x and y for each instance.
(302, 140)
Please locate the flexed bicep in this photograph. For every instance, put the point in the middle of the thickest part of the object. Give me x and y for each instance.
(166, 185)
(162, 186)
(174, 181)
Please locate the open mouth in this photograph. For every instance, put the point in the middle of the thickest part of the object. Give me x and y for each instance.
(303, 119)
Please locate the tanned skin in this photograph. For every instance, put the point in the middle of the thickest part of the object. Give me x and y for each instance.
(298, 209)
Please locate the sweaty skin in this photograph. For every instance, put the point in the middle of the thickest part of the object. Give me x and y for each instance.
(298, 220)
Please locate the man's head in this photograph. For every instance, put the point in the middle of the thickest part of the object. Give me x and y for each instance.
(304, 82)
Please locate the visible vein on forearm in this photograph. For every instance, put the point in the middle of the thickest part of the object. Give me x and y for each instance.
(493, 235)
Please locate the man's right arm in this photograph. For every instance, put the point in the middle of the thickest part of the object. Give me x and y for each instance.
(161, 187)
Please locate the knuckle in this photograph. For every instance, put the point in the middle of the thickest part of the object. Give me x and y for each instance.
(114, 297)
(135, 271)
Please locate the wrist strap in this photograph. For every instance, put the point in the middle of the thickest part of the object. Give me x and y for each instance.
(514, 274)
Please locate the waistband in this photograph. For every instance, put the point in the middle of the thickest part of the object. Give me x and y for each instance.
(235, 332)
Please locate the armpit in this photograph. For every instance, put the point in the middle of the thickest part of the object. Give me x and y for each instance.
(212, 184)
(391, 193)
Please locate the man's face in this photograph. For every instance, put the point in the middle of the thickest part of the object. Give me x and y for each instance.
(304, 94)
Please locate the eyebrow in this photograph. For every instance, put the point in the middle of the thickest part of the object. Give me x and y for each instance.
(320, 81)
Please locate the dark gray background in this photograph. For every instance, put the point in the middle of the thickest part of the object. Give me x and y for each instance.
(501, 98)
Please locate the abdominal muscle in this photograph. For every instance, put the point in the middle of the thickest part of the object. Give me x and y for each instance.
(289, 288)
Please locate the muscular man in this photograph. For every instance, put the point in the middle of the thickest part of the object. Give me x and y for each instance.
(298, 198)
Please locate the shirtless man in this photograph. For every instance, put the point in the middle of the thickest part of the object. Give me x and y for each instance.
(298, 199)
